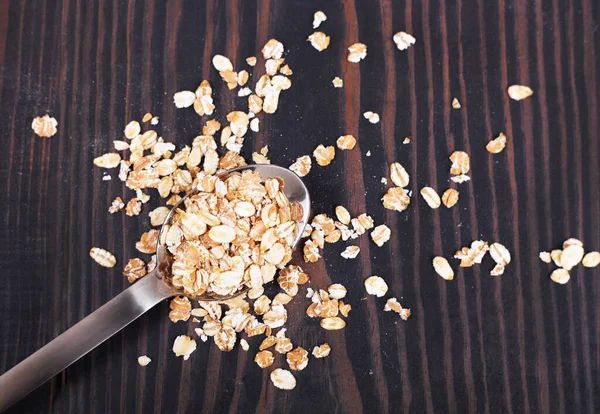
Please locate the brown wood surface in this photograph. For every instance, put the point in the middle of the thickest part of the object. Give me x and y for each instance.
(511, 344)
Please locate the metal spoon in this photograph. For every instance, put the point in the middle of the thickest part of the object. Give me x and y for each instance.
(110, 318)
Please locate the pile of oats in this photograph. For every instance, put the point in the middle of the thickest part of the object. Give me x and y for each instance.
(234, 233)
(566, 259)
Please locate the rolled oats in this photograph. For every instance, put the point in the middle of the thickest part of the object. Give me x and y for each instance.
(350, 252)
(148, 241)
(273, 49)
(431, 197)
(180, 309)
(117, 205)
(442, 268)
(337, 82)
(591, 259)
(519, 92)
(474, 254)
(560, 276)
(297, 359)
(319, 41)
(381, 234)
(375, 285)
(396, 198)
(336, 291)
(184, 99)
(545, 257)
(143, 360)
(456, 104)
(346, 142)
(132, 130)
(342, 214)
(221, 63)
(321, 351)
(357, 52)
(108, 160)
(44, 126)
(373, 117)
(497, 144)
(571, 256)
(460, 163)
(318, 18)
(399, 175)
(134, 269)
(283, 379)
(332, 324)
(392, 304)
(403, 40)
(184, 346)
(324, 155)
(103, 257)
(251, 61)
(450, 197)
(264, 359)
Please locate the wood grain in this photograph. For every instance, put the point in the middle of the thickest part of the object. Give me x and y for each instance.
(516, 343)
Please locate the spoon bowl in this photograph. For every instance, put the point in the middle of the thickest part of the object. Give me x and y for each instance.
(119, 312)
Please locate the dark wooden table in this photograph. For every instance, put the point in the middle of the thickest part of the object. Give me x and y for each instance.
(515, 343)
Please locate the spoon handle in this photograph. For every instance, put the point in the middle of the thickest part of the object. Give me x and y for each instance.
(80, 339)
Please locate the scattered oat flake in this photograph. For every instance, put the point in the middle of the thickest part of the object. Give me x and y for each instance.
(251, 61)
(519, 92)
(108, 160)
(460, 163)
(318, 18)
(399, 175)
(319, 41)
(337, 82)
(431, 197)
(373, 117)
(120, 145)
(381, 234)
(497, 144)
(403, 40)
(180, 309)
(442, 268)
(332, 323)
(184, 99)
(132, 130)
(135, 269)
(346, 142)
(350, 252)
(273, 49)
(324, 155)
(44, 126)
(117, 205)
(321, 351)
(342, 214)
(463, 178)
(545, 257)
(244, 344)
(375, 285)
(450, 197)
(384, 180)
(143, 360)
(471, 255)
(456, 104)
(184, 346)
(147, 117)
(103, 257)
(406, 140)
(154, 120)
(222, 63)
(357, 52)
(560, 276)
(264, 359)
(392, 304)
(297, 359)
(396, 198)
(591, 259)
(283, 379)
(337, 291)
(368, 153)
